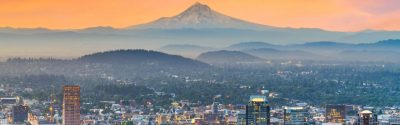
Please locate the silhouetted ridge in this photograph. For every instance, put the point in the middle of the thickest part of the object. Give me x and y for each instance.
(325, 44)
(141, 57)
(19, 59)
(269, 53)
(250, 45)
(227, 57)
(389, 42)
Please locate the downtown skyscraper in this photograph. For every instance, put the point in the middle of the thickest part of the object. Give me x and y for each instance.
(335, 114)
(258, 111)
(71, 105)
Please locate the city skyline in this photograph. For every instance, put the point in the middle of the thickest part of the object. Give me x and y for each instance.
(200, 62)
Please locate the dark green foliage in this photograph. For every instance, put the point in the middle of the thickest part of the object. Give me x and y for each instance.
(141, 58)
(226, 57)
(319, 83)
(125, 91)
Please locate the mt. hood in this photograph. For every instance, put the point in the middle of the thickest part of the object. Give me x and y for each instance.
(200, 16)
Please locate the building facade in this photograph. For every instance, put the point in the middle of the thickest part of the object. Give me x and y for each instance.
(335, 114)
(241, 117)
(258, 111)
(366, 117)
(214, 107)
(71, 105)
(296, 116)
(20, 114)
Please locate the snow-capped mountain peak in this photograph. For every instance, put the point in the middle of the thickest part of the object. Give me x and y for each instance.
(197, 10)
(199, 16)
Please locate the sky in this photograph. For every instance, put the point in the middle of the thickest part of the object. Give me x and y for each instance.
(334, 15)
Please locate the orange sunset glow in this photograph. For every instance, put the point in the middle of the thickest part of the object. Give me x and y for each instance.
(336, 15)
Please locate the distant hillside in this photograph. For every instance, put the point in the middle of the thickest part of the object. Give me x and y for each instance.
(198, 24)
(185, 49)
(227, 57)
(390, 42)
(369, 55)
(384, 43)
(141, 58)
(324, 44)
(250, 45)
(268, 53)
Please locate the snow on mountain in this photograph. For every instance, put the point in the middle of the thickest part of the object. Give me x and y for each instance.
(200, 16)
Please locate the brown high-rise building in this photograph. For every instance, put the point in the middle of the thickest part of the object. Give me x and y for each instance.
(335, 114)
(366, 117)
(71, 105)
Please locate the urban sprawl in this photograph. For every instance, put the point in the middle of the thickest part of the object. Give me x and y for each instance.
(258, 111)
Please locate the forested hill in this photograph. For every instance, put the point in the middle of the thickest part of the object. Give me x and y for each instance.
(227, 57)
(141, 57)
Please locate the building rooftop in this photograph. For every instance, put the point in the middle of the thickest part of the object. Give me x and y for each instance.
(366, 112)
(258, 98)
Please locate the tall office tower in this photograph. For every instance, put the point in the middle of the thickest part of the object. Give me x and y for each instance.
(163, 119)
(71, 105)
(258, 111)
(241, 117)
(335, 114)
(366, 117)
(296, 116)
(19, 114)
(214, 107)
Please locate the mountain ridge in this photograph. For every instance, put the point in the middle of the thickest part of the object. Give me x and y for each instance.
(227, 57)
(198, 25)
(140, 57)
(200, 16)
(186, 50)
